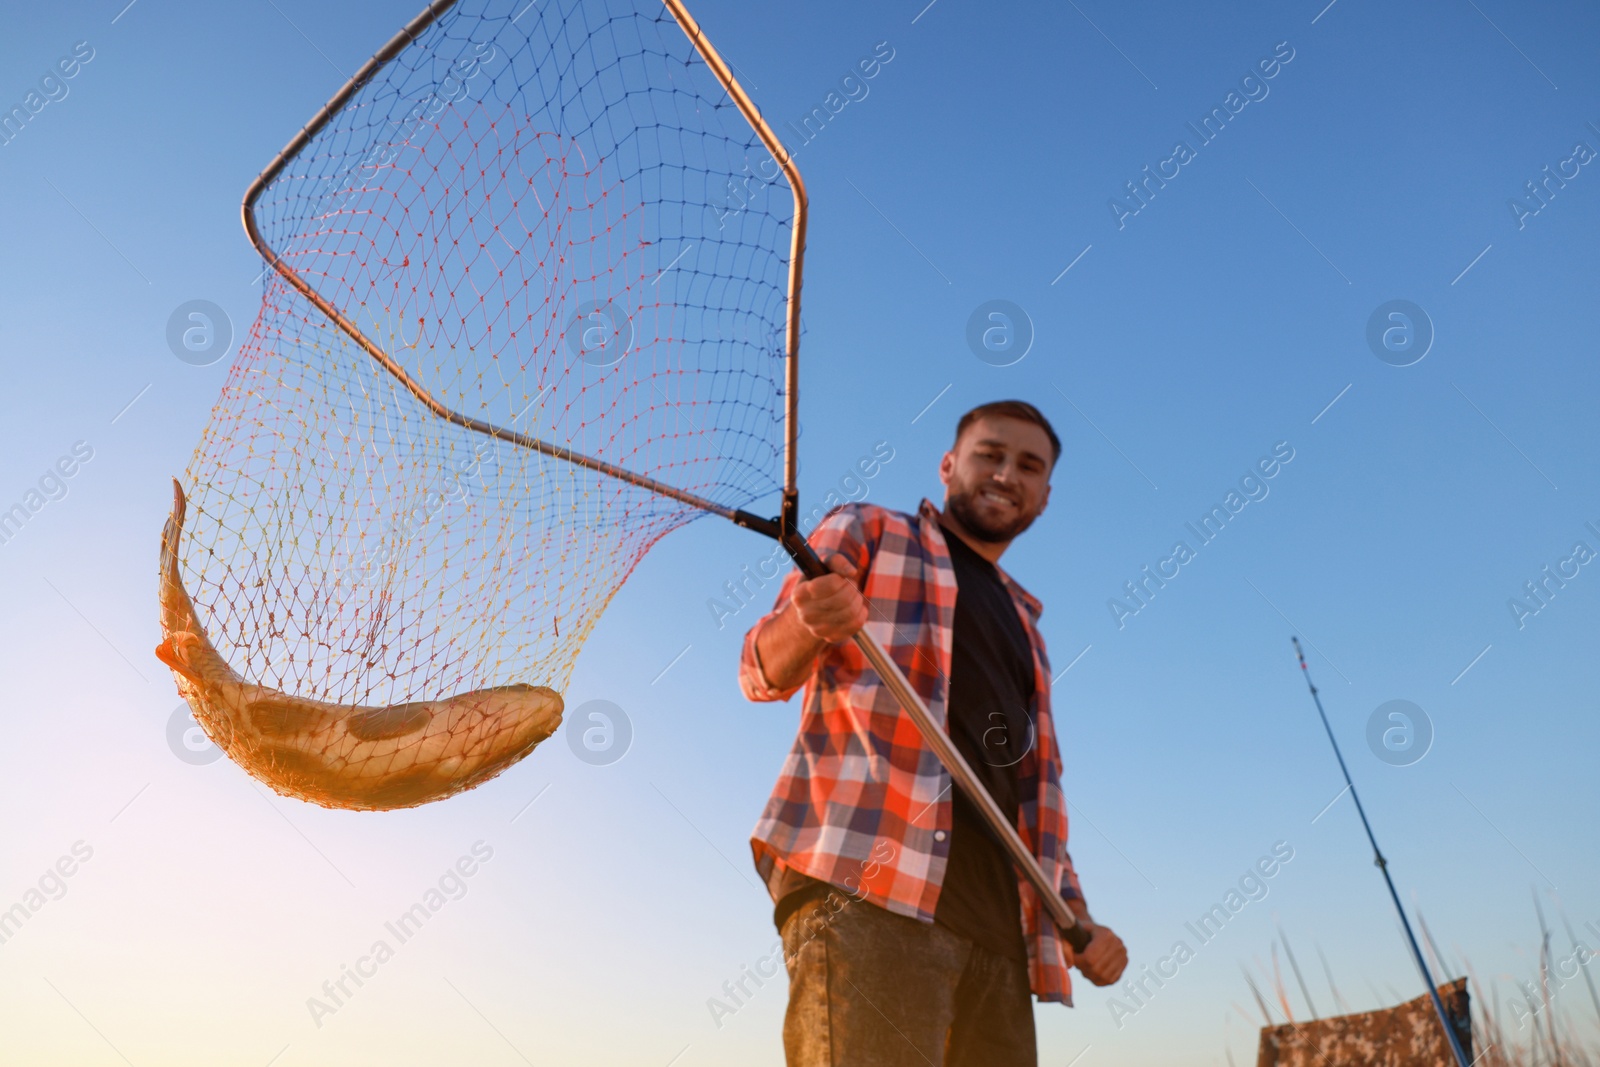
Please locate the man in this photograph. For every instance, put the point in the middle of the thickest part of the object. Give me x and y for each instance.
(908, 936)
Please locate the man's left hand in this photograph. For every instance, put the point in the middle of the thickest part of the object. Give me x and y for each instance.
(1104, 958)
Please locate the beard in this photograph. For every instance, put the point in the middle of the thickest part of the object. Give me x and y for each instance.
(963, 505)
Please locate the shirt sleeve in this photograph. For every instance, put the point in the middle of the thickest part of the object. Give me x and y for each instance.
(1070, 889)
(841, 532)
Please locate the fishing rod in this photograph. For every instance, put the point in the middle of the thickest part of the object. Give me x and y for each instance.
(1383, 865)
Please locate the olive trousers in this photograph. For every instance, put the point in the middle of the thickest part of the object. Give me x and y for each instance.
(869, 988)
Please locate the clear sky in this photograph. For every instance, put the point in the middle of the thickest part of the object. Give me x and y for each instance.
(1176, 340)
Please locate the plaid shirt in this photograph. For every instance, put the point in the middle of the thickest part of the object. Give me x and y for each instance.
(862, 802)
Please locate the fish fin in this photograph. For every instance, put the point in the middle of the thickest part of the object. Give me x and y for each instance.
(279, 715)
(382, 724)
(170, 652)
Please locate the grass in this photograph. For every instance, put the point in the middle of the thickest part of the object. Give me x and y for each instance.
(1548, 1018)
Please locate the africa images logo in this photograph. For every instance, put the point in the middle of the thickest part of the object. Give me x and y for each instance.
(1253, 88)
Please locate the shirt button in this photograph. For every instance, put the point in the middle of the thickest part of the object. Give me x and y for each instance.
(939, 835)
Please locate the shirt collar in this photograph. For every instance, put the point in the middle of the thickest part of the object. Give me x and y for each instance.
(930, 514)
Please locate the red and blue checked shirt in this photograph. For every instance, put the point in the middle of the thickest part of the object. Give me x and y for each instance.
(862, 802)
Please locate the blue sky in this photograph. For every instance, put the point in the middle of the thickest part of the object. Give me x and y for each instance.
(1228, 314)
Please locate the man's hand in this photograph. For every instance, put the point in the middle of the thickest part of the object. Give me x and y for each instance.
(1102, 961)
(831, 608)
(821, 612)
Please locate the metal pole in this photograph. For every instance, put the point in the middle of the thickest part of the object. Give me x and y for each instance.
(938, 740)
(1383, 865)
(968, 783)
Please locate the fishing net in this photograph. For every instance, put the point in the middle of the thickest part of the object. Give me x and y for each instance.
(553, 220)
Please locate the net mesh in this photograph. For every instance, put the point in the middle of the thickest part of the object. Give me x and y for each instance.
(554, 218)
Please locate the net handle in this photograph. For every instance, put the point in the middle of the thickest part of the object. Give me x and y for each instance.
(811, 566)
(797, 245)
(397, 44)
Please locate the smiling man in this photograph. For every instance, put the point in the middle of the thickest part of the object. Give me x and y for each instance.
(908, 936)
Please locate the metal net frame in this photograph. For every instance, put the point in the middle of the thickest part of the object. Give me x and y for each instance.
(527, 235)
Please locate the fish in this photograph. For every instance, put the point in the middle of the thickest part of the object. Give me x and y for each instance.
(354, 757)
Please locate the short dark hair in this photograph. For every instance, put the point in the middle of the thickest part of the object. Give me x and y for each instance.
(1020, 410)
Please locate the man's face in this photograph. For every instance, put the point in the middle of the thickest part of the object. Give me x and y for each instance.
(997, 477)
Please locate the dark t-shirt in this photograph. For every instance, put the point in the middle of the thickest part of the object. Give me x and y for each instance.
(991, 690)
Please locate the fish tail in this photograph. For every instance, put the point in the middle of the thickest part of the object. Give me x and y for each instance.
(184, 646)
(174, 600)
